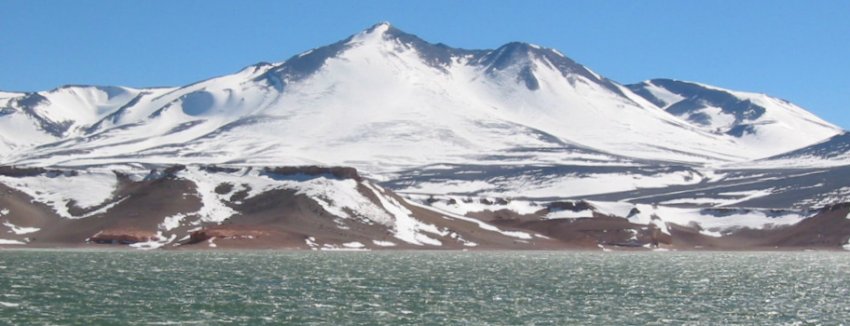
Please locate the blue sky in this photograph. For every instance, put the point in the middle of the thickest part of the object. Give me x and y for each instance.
(796, 50)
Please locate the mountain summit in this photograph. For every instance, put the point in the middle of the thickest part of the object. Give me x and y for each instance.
(385, 99)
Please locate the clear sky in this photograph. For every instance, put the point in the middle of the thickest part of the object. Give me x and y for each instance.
(796, 50)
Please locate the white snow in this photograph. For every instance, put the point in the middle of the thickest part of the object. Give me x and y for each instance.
(384, 243)
(212, 209)
(714, 234)
(481, 224)
(406, 227)
(349, 246)
(103, 209)
(172, 222)
(19, 229)
(621, 209)
(726, 198)
(464, 242)
(465, 205)
(590, 184)
(661, 215)
(376, 106)
(695, 201)
(58, 190)
(752, 219)
(11, 242)
(783, 126)
(569, 214)
(353, 244)
(338, 197)
(668, 97)
(311, 242)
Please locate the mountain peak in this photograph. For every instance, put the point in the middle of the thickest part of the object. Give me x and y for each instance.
(382, 24)
(379, 28)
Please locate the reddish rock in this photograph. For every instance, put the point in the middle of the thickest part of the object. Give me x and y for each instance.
(123, 236)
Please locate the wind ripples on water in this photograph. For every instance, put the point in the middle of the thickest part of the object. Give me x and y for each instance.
(509, 288)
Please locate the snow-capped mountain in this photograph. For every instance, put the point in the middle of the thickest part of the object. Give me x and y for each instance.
(449, 142)
(385, 99)
(31, 119)
(767, 125)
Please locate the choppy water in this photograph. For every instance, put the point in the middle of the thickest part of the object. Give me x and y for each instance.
(508, 288)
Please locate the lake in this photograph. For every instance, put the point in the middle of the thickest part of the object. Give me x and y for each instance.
(462, 288)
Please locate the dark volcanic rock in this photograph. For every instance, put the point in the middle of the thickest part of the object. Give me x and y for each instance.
(224, 188)
(569, 206)
(336, 171)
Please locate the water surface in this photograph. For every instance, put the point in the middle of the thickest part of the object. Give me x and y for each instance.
(507, 288)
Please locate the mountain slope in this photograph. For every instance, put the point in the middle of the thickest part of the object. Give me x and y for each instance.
(379, 100)
(455, 147)
(766, 125)
(334, 208)
(834, 151)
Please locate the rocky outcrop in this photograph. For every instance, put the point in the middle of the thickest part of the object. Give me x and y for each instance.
(225, 232)
(123, 236)
(336, 171)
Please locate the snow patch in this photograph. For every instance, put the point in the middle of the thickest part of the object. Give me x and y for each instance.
(339, 197)
(712, 225)
(354, 244)
(406, 227)
(212, 209)
(352, 247)
(464, 205)
(481, 224)
(18, 229)
(57, 190)
(172, 222)
(713, 234)
(384, 243)
(11, 242)
(311, 242)
(569, 214)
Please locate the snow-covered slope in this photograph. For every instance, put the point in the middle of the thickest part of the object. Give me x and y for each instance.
(395, 106)
(31, 119)
(763, 124)
(379, 100)
(5, 97)
(834, 151)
